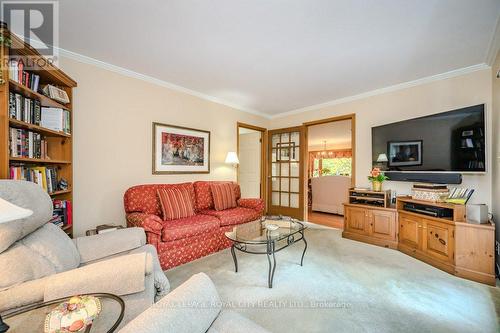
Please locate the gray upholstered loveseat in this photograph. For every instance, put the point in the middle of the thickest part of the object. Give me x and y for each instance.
(39, 262)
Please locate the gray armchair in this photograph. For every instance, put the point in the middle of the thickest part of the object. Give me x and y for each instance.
(39, 262)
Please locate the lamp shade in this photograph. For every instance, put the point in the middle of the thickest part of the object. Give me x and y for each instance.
(232, 158)
(382, 158)
(10, 212)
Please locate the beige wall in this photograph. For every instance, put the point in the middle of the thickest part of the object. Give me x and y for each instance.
(439, 96)
(114, 112)
(112, 138)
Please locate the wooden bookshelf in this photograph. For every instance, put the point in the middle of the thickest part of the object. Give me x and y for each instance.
(59, 144)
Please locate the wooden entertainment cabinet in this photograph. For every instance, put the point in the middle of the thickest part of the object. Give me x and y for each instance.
(450, 244)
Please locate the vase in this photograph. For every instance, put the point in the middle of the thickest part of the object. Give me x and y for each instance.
(377, 186)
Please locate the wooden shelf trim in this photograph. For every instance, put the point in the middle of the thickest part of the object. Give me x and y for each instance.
(42, 130)
(38, 160)
(366, 198)
(27, 92)
(60, 192)
(22, 49)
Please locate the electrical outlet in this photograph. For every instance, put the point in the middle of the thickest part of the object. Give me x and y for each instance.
(497, 247)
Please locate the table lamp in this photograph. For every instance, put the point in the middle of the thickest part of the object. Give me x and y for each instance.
(232, 158)
(10, 212)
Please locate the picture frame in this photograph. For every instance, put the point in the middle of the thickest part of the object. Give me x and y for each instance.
(405, 153)
(180, 150)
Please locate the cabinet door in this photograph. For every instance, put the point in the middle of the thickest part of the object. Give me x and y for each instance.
(438, 240)
(383, 224)
(409, 230)
(356, 220)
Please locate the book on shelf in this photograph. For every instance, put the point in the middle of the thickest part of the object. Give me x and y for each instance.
(46, 177)
(24, 109)
(19, 75)
(62, 214)
(56, 119)
(27, 144)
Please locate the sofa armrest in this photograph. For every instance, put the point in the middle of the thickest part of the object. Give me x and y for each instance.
(190, 308)
(254, 203)
(102, 277)
(110, 243)
(149, 222)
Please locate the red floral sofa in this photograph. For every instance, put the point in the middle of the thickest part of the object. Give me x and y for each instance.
(183, 240)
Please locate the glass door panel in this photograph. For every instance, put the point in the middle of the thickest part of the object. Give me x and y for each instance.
(287, 177)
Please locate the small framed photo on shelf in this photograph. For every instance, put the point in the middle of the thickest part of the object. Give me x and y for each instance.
(404, 153)
(179, 149)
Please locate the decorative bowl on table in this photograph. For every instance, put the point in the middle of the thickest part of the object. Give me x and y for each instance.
(74, 315)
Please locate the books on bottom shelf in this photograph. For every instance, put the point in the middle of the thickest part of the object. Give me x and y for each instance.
(27, 144)
(62, 215)
(46, 177)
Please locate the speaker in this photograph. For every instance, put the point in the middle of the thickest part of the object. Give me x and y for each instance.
(425, 177)
(477, 214)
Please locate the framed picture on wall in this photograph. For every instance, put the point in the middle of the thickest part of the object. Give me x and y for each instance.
(404, 153)
(180, 150)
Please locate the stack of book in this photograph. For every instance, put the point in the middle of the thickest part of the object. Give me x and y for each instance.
(430, 192)
(19, 75)
(56, 119)
(46, 177)
(27, 144)
(24, 109)
(62, 215)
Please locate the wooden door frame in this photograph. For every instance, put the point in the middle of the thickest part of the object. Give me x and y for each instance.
(263, 157)
(352, 118)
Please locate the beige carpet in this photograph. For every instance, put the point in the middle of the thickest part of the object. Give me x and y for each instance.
(347, 286)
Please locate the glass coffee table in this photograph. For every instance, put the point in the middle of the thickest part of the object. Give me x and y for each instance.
(32, 318)
(267, 236)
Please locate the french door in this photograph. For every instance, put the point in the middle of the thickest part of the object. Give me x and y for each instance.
(285, 186)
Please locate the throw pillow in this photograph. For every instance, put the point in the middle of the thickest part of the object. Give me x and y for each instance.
(224, 196)
(175, 203)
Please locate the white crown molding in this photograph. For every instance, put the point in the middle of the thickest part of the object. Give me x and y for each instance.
(400, 86)
(147, 78)
(494, 44)
(150, 79)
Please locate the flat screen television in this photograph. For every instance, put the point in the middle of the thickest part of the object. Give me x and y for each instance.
(452, 141)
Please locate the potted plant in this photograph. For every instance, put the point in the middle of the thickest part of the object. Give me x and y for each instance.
(377, 177)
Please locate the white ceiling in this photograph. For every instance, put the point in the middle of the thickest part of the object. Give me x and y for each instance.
(274, 56)
(336, 134)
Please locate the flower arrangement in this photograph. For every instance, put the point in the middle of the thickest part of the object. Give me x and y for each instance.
(377, 177)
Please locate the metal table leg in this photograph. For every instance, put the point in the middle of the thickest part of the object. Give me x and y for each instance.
(234, 259)
(272, 268)
(305, 248)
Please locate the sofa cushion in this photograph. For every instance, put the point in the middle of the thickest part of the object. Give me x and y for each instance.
(204, 199)
(223, 195)
(144, 198)
(232, 216)
(46, 251)
(175, 203)
(189, 227)
(26, 195)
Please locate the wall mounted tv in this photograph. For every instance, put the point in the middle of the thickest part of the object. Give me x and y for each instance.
(452, 141)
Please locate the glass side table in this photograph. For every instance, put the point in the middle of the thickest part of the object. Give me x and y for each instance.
(32, 317)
